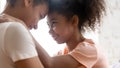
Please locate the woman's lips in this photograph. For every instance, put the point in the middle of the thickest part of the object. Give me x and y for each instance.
(30, 27)
(35, 27)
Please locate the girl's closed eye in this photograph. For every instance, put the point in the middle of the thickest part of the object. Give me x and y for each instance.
(53, 24)
(50, 24)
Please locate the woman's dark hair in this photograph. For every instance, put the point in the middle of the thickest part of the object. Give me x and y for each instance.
(88, 11)
(36, 2)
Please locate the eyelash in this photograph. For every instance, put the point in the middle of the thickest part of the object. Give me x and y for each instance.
(53, 23)
(42, 16)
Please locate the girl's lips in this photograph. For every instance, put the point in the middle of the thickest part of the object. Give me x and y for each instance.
(54, 37)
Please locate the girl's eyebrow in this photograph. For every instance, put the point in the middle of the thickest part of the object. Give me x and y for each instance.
(53, 19)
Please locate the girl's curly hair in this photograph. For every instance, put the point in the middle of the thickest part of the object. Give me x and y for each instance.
(88, 11)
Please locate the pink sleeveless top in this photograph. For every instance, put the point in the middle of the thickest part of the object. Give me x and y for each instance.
(88, 55)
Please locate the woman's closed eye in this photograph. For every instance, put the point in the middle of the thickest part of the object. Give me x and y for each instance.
(42, 16)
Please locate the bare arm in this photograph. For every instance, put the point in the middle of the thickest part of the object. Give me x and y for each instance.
(29, 63)
(64, 61)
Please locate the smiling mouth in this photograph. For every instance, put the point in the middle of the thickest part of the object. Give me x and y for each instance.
(35, 27)
(55, 38)
(30, 27)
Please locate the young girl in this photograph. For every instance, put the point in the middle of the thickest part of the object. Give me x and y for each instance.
(67, 20)
(17, 48)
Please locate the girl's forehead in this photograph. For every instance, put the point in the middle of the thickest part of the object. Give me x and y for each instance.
(54, 15)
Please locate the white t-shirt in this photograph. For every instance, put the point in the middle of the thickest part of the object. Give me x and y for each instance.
(15, 44)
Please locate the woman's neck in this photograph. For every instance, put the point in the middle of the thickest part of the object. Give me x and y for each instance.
(12, 12)
(13, 18)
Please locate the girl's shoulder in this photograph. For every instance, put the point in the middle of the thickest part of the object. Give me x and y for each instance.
(87, 47)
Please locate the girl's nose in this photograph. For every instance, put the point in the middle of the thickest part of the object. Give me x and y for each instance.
(50, 31)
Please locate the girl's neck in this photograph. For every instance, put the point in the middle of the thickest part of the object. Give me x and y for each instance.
(74, 41)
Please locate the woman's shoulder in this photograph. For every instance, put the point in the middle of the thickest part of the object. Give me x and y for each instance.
(12, 21)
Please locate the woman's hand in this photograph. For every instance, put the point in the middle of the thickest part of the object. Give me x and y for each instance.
(4, 19)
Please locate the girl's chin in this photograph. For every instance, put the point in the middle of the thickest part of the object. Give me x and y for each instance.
(59, 42)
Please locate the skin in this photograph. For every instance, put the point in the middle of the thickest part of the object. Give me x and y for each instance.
(30, 15)
(29, 63)
(63, 31)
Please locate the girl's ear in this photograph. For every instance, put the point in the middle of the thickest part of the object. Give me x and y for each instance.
(28, 3)
(75, 20)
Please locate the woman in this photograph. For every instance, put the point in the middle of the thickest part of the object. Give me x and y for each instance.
(17, 48)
